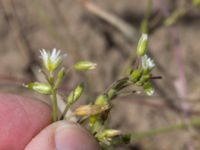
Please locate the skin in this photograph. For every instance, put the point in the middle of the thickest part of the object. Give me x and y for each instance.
(25, 123)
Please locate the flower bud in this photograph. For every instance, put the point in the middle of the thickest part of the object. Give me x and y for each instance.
(39, 87)
(148, 88)
(60, 76)
(101, 100)
(145, 78)
(85, 65)
(136, 75)
(88, 110)
(75, 94)
(142, 45)
(61, 73)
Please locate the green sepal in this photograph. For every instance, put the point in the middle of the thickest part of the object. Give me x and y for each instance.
(145, 78)
(101, 100)
(136, 75)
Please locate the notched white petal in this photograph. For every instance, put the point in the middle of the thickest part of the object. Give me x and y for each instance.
(51, 60)
(147, 63)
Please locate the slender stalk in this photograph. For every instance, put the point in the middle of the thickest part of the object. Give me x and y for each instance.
(154, 132)
(51, 78)
(54, 114)
(145, 24)
(64, 112)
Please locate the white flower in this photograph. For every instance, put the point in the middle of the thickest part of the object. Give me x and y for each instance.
(51, 61)
(147, 63)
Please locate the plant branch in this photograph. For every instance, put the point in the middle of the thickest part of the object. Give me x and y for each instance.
(154, 132)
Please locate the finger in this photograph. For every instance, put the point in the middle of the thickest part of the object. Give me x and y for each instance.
(20, 120)
(63, 135)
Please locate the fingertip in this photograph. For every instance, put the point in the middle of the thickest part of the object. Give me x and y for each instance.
(63, 135)
(21, 118)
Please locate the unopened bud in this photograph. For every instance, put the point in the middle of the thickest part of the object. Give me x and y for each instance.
(60, 76)
(39, 87)
(136, 75)
(142, 45)
(75, 94)
(85, 65)
(101, 100)
(61, 73)
(148, 88)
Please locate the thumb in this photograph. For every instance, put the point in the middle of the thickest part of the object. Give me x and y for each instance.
(63, 135)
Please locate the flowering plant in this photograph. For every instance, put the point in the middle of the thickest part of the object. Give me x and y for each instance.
(96, 113)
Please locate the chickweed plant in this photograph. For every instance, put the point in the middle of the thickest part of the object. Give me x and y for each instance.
(95, 114)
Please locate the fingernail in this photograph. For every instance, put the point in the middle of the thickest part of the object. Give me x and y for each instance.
(73, 137)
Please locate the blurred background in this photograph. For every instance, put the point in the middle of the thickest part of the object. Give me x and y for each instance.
(106, 32)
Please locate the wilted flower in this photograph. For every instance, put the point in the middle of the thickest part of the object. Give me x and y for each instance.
(51, 61)
(147, 63)
(88, 110)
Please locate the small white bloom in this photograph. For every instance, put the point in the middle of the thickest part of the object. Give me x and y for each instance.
(51, 61)
(147, 63)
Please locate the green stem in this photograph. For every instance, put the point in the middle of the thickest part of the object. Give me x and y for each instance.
(144, 25)
(64, 112)
(54, 114)
(153, 132)
(51, 79)
(177, 14)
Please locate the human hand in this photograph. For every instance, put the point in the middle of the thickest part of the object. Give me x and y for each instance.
(26, 124)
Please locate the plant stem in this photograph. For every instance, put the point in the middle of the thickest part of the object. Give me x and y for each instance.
(64, 112)
(153, 132)
(54, 114)
(144, 25)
